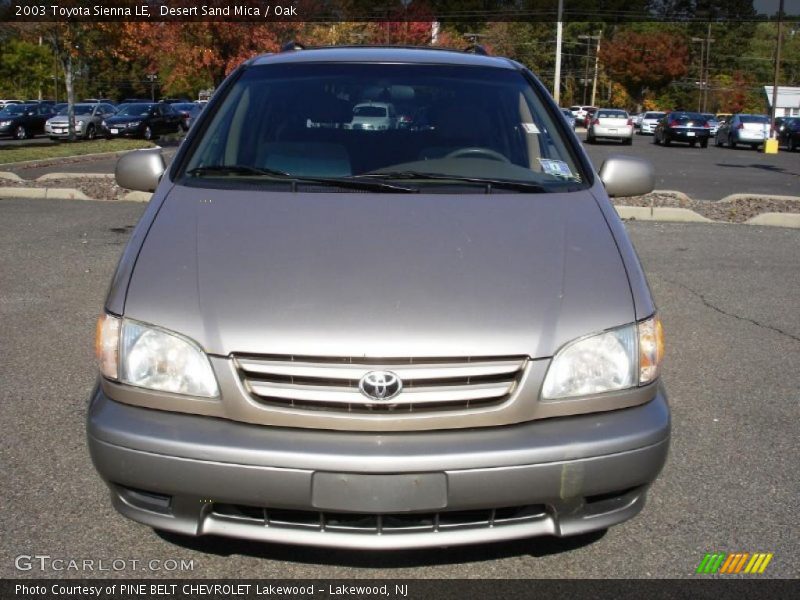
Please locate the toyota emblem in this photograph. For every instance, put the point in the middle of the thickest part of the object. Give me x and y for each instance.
(380, 385)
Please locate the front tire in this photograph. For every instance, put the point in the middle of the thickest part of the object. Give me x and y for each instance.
(704, 144)
(20, 133)
(148, 133)
(91, 133)
(627, 141)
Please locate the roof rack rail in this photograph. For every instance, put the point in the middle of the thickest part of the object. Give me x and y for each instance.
(291, 46)
(476, 49)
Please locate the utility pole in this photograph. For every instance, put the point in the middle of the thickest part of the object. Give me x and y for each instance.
(559, 32)
(709, 39)
(701, 72)
(588, 39)
(596, 65)
(773, 133)
(152, 78)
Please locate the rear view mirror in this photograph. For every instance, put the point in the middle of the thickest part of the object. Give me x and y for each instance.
(627, 176)
(140, 170)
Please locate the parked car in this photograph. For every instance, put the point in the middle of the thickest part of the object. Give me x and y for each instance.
(723, 117)
(713, 123)
(319, 336)
(22, 121)
(582, 114)
(145, 120)
(374, 116)
(789, 134)
(188, 112)
(649, 121)
(4, 103)
(569, 117)
(610, 123)
(743, 129)
(88, 119)
(680, 126)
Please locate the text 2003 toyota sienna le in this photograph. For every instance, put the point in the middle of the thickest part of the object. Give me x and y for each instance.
(426, 334)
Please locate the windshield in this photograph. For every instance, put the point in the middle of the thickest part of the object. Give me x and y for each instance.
(135, 110)
(754, 119)
(653, 115)
(15, 109)
(612, 114)
(462, 122)
(80, 109)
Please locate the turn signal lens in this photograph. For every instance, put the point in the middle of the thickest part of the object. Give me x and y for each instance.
(106, 345)
(651, 349)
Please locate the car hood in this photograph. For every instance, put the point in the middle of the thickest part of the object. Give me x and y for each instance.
(64, 119)
(379, 275)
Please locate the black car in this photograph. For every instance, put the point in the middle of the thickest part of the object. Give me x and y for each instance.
(188, 111)
(22, 121)
(789, 133)
(146, 120)
(679, 126)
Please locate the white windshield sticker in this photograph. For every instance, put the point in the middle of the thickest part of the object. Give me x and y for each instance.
(555, 167)
(530, 127)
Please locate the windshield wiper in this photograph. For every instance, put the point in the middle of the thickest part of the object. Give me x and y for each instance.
(520, 186)
(343, 182)
(235, 170)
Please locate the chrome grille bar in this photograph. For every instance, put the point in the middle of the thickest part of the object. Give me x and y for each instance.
(327, 383)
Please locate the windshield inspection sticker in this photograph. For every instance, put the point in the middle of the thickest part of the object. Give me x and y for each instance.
(530, 127)
(555, 167)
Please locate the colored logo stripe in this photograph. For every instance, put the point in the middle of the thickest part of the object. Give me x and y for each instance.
(734, 563)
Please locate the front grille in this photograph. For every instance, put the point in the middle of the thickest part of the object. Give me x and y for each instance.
(378, 524)
(316, 383)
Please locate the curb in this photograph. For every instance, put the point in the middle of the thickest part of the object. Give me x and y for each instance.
(49, 176)
(776, 220)
(662, 213)
(43, 193)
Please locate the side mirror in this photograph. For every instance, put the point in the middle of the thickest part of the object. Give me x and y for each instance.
(140, 170)
(627, 176)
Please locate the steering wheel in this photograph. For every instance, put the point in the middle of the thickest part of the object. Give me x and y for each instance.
(477, 152)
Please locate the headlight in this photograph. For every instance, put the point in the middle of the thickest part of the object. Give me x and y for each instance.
(103, 124)
(78, 124)
(613, 360)
(152, 358)
(5, 123)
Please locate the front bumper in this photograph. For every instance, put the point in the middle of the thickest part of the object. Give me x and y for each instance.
(199, 475)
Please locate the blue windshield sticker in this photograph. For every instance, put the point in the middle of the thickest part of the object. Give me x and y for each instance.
(555, 167)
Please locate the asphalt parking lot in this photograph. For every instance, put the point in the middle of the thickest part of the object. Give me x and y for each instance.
(729, 296)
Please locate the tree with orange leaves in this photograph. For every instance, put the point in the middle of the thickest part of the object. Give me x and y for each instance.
(647, 59)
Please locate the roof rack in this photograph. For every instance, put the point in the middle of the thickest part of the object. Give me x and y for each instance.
(291, 46)
(476, 49)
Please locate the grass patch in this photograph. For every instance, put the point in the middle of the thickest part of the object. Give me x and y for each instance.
(67, 149)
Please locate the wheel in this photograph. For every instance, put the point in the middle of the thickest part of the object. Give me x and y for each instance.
(731, 143)
(627, 141)
(754, 146)
(20, 133)
(667, 141)
(717, 142)
(590, 139)
(475, 152)
(90, 132)
(704, 143)
(656, 141)
(148, 133)
(792, 145)
(693, 143)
